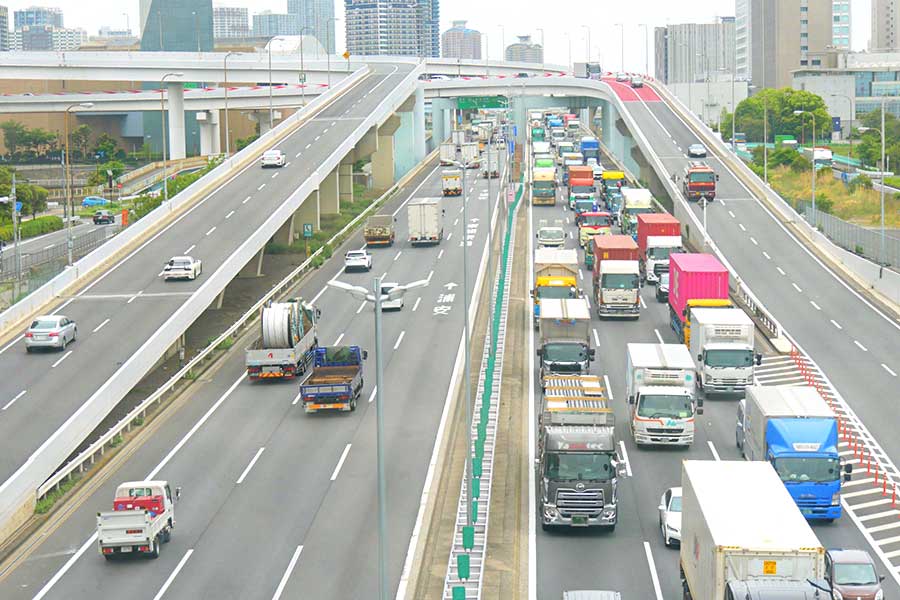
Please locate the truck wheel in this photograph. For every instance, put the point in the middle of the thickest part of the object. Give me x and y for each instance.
(546, 527)
(108, 557)
(154, 548)
(353, 404)
(166, 536)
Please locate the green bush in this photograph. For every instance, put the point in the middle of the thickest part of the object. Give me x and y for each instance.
(861, 181)
(32, 228)
(46, 503)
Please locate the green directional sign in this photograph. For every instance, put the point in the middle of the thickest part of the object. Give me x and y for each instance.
(474, 102)
(191, 85)
(307, 230)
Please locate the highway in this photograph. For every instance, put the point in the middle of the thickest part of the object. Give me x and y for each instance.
(313, 486)
(126, 305)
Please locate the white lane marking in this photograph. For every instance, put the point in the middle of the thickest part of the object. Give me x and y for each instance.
(456, 221)
(780, 270)
(325, 130)
(211, 230)
(416, 305)
(246, 200)
(372, 395)
(398, 255)
(732, 214)
(658, 336)
(333, 123)
(361, 307)
(48, 247)
(133, 298)
(625, 458)
(430, 275)
(298, 154)
(297, 398)
(571, 236)
(580, 274)
(461, 208)
(65, 568)
(10, 345)
(753, 239)
(741, 225)
(174, 574)
(229, 215)
(337, 342)
(64, 357)
(317, 138)
(653, 575)
(596, 338)
(287, 573)
(797, 287)
(888, 369)
(250, 465)
(766, 254)
(17, 396)
(100, 326)
(337, 469)
(836, 324)
(860, 346)
(188, 251)
(643, 304)
(609, 393)
(441, 254)
(712, 448)
(261, 186)
(275, 174)
(287, 164)
(399, 339)
(307, 146)
(815, 306)
(449, 235)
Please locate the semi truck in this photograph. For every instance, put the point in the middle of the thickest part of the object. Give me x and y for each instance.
(793, 429)
(543, 187)
(336, 381)
(659, 235)
(578, 464)
(490, 165)
(617, 278)
(555, 276)
(564, 343)
(142, 519)
(286, 342)
(451, 182)
(379, 230)
(659, 384)
(635, 201)
(426, 221)
(693, 277)
(742, 535)
(448, 153)
(721, 345)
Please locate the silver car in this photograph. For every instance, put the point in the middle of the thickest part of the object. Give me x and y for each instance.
(388, 304)
(50, 331)
(670, 516)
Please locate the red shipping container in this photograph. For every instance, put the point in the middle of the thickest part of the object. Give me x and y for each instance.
(694, 277)
(655, 225)
(579, 172)
(613, 247)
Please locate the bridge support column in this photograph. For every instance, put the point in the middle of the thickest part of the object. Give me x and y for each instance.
(441, 119)
(419, 125)
(383, 158)
(286, 233)
(176, 119)
(209, 132)
(262, 117)
(253, 268)
(308, 212)
(345, 182)
(329, 194)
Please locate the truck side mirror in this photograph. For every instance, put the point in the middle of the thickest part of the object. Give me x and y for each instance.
(699, 409)
(539, 352)
(592, 352)
(177, 493)
(717, 177)
(318, 312)
(536, 237)
(365, 354)
(758, 359)
(699, 358)
(631, 399)
(848, 468)
(847, 476)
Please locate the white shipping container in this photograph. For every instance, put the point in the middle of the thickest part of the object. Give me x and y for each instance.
(426, 221)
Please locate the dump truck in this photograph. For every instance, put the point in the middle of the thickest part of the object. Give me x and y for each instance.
(448, 153)
(659, 235)
(142, 519)
(617, 278)
(564, 341)
(451, 182)
(699, 181)
(693, 277)
(379, 230)
(336, 381)
(426, 221)
(721, 344)
(286, 342)
(555, 276)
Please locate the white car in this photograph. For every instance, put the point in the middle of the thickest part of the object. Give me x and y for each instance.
(670, 516)
(622, 77)
(637, 82)
(182, 267)
(390, 304)
(273, 158)
(357, 260)
(697, 150)
(50, 331)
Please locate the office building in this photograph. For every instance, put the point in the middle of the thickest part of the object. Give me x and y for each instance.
(315, 18)
(885, 31)
(694, 51)
(230, 22)
(788, 35)
(461, 42)
(37, 15)
(36, 38)
(525, 51)
(4, 29)
(742, 40)
(267, 24)
(840, 24)
(176, 25)
(393, 27)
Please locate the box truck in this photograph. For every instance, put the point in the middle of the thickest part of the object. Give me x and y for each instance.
(693, 277)
(659, 235)
(426, 221)
(722, 348)
(616, 281)
(564, 342)
(659, 385)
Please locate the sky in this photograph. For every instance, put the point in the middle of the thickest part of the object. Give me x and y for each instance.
(520, 17)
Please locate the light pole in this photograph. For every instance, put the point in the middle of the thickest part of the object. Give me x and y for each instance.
(196, 29)
(883, 174)
(621, 27)
(271, 110)
(646, 48)
(810, 113)
(70, 207)
(569, 41)
(328, 45)
(302, 67)
(502, 42)
(852, 114)
(543, 48)
(17, 257)
(376, 297)
(587, 42)
(162, 114)
(227, 131)
(765, 138)
(487, 53)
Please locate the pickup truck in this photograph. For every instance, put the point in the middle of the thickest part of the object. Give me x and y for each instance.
(336, 381)
(141, 520)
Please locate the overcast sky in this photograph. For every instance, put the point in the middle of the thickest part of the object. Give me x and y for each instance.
(520, 17)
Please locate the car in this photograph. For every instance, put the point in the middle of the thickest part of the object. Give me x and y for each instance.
(357, 260)
(670, 516)
(662, 288)
(388, 304)
(522, 75)
(637, 82)
(50, 331)
(697, 150)
(94, 201)
(852, 575)
(104, 217)
(182, 267)
(273, 158)
(622, 77)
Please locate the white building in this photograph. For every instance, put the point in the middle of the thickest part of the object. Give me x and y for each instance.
(230, 22)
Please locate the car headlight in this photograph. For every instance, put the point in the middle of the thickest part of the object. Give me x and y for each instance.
(836, 595)
(836, 499)
(879, 595)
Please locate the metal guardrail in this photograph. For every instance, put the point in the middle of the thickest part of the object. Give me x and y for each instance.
(852, 237)
(82, 244)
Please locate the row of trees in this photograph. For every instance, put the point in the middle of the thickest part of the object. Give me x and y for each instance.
(24, 143)
(869, 148)
(777, 107)
(32, 197)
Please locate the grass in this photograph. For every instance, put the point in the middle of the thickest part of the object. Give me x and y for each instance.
(226, 344)
(44, 505)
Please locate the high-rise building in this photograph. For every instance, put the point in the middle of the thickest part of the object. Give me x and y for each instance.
(37, 15)
(787, 35)
(393, 27)
(743, 36)
(694, 51)
(230, 22)
(176, 25)
(35, 38)
(268, 23)
(840, 24)
(461, 42)
(525, 51)
(4, 29)
(885, 31)
(315, 18)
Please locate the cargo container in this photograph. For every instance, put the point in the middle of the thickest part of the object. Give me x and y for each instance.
(616, 281)
(659, 235)
(693, 276)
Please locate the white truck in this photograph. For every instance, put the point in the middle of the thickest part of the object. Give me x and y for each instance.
(722, 348)
(617, 288)
(448, 153)
(565, 336)
(490, 164)
(659, 247)
(141, 520)
(742, 535)
(426, 221)
(451, 182)
(659, 385)
(469, 154)
(458, 137)
(540, 147)
(286, 343)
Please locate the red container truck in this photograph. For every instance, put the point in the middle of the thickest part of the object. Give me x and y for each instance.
(659, 235)
(693, 277)
(613, 247)
(617, 277)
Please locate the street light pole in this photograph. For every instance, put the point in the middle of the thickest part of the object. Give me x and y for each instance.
(765, 138)
(621, 27)
(328, 46)
(467, 343)
(852, 114)
(227, 132)
(587, 45)
(379, 444)
(162, 113)
(543, 48)
(811, 114)
(70, 207)
(883, 175)
(271, 110)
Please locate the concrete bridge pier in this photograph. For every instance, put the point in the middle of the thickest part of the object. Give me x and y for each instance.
(262, 117)
(308, 212)
(176, 119)
(210, 136)
(345, 179)
(329, 193)
(383, 158)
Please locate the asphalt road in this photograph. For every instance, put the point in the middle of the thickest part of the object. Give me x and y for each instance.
(121, 309)
(313, 486)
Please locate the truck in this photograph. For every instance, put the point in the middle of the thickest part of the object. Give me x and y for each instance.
(573, 127)
(590, 147)
(592, 223)
(577, 460)
(555, 276)
(490, 165)
(336, 381)
(379, 230)
(659, 384)
(142, 519)
(721, 344)
(448, 153)
(617, 276)
(581, 185)
(469, 155)
(691, 277)
(635, 201)
(557, 135)
(564, 336)
(742, 535)
(540, 148)
(287, 340)
(698, 181)
(543, 187)
(659, 235)
(426, 221)
(451, 182)
(611, 183)
(562, 149)
(580, 70)
(538, 134)
(793, 429)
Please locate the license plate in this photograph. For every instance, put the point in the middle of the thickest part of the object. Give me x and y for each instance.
(125, 549)
(40, 338)
(579, 520)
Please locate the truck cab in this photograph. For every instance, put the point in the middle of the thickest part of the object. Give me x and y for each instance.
(543, 187)
(699, 181)
(657, 255)
(635, 201)
(722, 343)
(592, 223)
(617, 289)
(564, 338)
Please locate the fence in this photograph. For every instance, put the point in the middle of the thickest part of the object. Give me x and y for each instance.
(82, 243)
(853, 238)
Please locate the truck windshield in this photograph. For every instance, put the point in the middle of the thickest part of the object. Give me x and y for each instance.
(664, 406)
(543, 185)
(641, 210)
(565, 352)
(582, 189)
(661, 253)
(703, 177)
(584, 205)
(552, 234)
(620, 281)
(728, 358)
(815, 469)
(596, 221)
(556, 291)
(579, 466)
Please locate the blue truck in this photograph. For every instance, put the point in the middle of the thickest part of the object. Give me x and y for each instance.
(590, 148)
(336, 381)
(794, 429)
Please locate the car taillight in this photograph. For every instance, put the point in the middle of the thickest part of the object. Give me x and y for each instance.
(28, 334)
(107, 551)
(54, 334)
(143, 548)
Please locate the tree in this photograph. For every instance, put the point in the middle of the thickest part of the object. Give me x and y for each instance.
(39, 141)
(80, 138)
(13, 132)
(100, 176)
(105, 146)
(777, 107)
